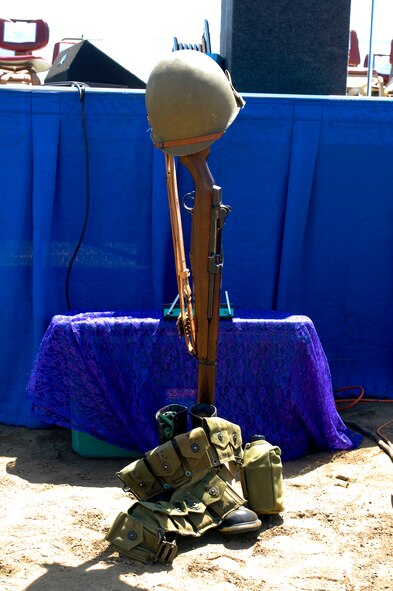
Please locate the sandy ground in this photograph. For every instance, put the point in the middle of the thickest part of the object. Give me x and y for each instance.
(335, 533)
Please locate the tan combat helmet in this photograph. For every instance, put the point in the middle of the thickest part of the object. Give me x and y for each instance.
(190, 102)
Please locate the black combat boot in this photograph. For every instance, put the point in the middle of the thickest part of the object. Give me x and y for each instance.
(200, 411)
(238, 521)
(172, 421)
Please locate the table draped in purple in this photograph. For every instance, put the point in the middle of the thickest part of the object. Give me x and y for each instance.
(107, 373)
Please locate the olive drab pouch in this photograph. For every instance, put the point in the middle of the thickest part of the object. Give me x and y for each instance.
(138, 479)
(165, 463)
(194, 508)
(194, 450)
(225, 438)
(147, 532)
(172, 464)
(261, 477)
(209, 500)
(180, 461)
(141, 536)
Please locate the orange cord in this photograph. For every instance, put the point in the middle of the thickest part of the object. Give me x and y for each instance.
(379, 429)
(376, 400)
(352, 401)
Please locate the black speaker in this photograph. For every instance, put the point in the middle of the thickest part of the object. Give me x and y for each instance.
(83, 62)
(286, 47)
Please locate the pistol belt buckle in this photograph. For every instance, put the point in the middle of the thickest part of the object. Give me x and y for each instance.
(166, 550)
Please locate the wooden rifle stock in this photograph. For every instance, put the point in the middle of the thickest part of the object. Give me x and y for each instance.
(206, 274)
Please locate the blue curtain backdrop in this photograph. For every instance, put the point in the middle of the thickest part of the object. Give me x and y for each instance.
(310, 232)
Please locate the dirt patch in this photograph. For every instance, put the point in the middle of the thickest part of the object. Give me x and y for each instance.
(335, 533)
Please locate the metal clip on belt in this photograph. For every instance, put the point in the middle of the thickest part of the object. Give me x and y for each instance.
(166, 551)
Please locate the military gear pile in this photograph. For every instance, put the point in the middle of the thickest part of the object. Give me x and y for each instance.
(184, 459)
(185, 486)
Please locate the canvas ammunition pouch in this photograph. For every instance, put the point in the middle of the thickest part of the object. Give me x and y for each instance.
(184, 459)
(207, 501)
(261, 477)
(147, 532)
(142, 538)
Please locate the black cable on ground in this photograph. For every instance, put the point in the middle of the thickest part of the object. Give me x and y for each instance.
(383, 442)
(363, 430)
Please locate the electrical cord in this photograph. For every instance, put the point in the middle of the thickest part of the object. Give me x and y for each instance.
(81, 88)
(352, 401)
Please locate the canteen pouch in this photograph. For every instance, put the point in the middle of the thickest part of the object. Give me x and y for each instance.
(261, 477)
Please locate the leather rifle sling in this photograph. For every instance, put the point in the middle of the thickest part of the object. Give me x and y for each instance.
(206, 307)
(186, 320)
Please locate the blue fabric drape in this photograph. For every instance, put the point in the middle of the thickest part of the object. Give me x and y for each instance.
(308, 180)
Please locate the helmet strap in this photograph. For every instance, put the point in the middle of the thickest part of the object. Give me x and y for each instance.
(212, 137)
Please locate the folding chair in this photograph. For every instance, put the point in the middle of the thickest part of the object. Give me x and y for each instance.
(22, 37)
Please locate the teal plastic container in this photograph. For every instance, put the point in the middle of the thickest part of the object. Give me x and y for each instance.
(91, 447)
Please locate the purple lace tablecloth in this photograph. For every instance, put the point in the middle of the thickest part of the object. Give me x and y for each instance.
(106, 374)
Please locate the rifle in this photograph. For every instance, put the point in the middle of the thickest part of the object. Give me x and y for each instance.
(206, 258)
